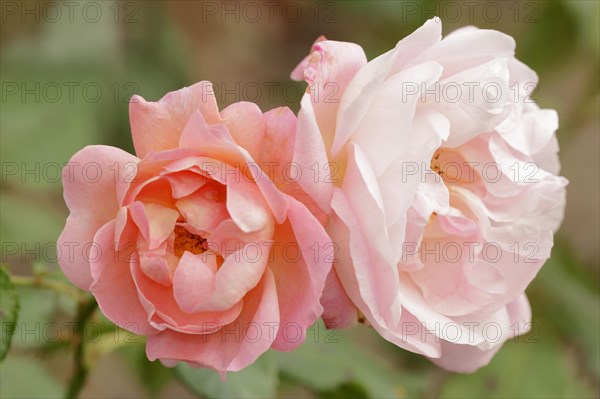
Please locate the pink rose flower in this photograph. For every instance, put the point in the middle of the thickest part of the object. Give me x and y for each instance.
(202, 242)
(447, 193)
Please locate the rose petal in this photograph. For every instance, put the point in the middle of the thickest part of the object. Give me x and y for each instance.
(157, 126)
(113, 286)
(92, 197)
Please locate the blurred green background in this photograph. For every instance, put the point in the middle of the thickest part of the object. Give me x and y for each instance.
(67, 71)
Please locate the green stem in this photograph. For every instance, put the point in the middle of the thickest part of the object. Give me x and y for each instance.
(85, 311)
(48, 284)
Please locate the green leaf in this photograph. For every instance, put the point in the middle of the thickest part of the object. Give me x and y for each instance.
(258, 380)
(153, 376)
(9, 310)
(567, 305)
(346, 390)
(329, 361)
(522, 370)
(24, 377)
(36, 310)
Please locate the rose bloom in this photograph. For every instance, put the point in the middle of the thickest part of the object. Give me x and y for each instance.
(201, 242)
(446, 191)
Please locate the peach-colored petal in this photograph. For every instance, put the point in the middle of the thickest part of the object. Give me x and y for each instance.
(246, 205)
(156, 222)
(298, 72)
(277, 148)
(367, 278)
(338, 310)
(164, 312)
(91, 194)
(113, 285)
(240, 273)
(274, 198)
(315, 176)
(244, 120)
(184, 183)
(194, 280)
(201, 211)
(331, 66)
(303, 254)
(198, 133)
(157, 126)
(235, 345)
(156, 263)
(469, 358)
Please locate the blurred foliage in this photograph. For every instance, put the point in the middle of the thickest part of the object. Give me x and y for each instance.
(544, 370)
(341, 363)
(258, 381)
(23, 377)
(170, 47)
(9, 308)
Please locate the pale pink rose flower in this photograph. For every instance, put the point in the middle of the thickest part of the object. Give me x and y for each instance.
(445, 204)
(201, 242)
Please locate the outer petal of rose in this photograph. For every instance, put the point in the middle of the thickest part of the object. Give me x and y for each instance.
(541, 204)
(198, 133)
(360, 91)
(474, 113)
(504, 237)
(331, 66)
(91, 195)
(469, 334)
(233, 347)
(364, 196)
(423, 189)
(533, 131)
(411, 334)
(445, 283)
(272, 195)
(338, 309)
(547, 157)
(277, 148)
(388, 112)
(113, 286)
(244, 120)
(157, 126)
(294, 190)
(221, 146)
(353, 264)
(464, 358)
(369, 281)
(469, 358)
(298, 72)
(334, 62)
(300, 280)
(310, 154)
(466, 48)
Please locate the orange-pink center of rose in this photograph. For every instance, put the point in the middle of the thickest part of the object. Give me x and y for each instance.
(186, 241)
